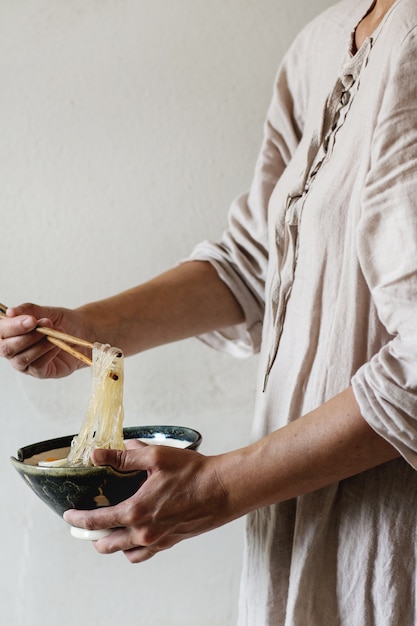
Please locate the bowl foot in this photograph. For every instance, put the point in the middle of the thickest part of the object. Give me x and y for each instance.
(89, 535)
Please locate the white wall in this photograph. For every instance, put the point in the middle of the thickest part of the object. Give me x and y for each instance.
(125, 125)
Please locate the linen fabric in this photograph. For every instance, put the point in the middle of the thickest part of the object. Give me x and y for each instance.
(321, 253)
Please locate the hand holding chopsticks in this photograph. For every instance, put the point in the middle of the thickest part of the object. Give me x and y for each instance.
(60, 339)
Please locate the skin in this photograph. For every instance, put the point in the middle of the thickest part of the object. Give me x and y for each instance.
(182, 302)
(371, 21)
(188, 493)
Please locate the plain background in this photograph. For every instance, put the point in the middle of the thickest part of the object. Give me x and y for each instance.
(127, 127)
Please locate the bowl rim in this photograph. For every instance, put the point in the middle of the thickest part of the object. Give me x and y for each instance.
(129, 432)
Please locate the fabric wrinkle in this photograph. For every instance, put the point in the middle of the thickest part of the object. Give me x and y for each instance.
(332, 294)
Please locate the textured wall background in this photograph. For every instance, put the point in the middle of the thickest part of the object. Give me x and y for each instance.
(127, 127)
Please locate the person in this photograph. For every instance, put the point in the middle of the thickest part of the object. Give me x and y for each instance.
(318, 272)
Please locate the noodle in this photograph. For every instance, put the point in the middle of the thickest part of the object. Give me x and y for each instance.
(103, 423)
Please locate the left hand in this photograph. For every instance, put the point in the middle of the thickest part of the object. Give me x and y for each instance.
(182, 497)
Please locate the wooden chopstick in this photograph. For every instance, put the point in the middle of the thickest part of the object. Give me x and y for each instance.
(67, 348)
(59, 339)
(50, 332)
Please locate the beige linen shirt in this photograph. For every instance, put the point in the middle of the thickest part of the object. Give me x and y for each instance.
(322, 255)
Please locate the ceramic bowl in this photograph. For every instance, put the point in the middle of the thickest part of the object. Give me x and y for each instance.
(63, 488)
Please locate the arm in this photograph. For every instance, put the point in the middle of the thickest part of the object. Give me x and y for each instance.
(186, 300)
(187, 493)
(327, 445)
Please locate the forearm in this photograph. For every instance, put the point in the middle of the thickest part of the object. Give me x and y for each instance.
(321, 448)
(325, 446)
(185, 301)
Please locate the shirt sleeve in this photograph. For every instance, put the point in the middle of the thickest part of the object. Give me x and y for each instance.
(386, 386)
(241, 257)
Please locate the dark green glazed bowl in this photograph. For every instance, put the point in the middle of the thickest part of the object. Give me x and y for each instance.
(63, 488)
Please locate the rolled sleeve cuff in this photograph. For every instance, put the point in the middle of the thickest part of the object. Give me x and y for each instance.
(388, 409)
(244, 339)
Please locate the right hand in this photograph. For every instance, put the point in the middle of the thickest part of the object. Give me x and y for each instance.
(29, 351)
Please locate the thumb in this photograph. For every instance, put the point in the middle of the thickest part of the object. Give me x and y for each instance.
(122, 460)
(28, 308)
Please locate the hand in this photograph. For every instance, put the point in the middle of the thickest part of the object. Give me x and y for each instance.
(182, 497)
(29, 351)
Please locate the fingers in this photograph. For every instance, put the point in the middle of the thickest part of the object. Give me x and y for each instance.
(123, 460)
(125, 540)
(13, 326)
(137, 555)
(131, 523)
(29, 351)
(121, 541)
(98, 519)
(131, 541)
(18, 341)
(168, 507)
(109, 517)
(38, 359)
